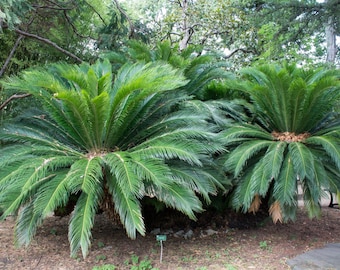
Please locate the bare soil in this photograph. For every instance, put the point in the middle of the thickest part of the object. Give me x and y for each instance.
(264, 246)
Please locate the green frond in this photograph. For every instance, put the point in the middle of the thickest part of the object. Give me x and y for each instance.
(77, 116)
(244, 192)
(91, 173)
(260, 179)
(238, 158)
(37, 139)
(167, 150)
(82, 220)
(330, 145)
(123, 168)
(268, 168)
(285, 186)
(152, 77)
(302, 159)
(273, 159)
(51, 194)
(333, 177)
(27, 223)
(180, 198)
(19, 185)
(133, 84)
(297, 97)
(196, 179)
(152, 170)
(235, 132)
(128, 207)
(313, 207)
(99, 107)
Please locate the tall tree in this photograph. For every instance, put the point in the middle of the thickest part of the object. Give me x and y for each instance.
(294, 29)
(40, 31)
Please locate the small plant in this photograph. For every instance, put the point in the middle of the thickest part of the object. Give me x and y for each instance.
(105, 267)
(188, 258)
(230, 267)
(100, 258)
(264, 245)
(53, 231)
(144, 264)
(100, 244)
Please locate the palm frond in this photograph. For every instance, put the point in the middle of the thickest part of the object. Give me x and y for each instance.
(51, 195)
(171, 149)
(236, 131)
(196, 179)
(238, 158)
(82, 220)
(128, 207)
(273, 159)
(244, 193)
(330, 145)
(132, 85)
(302, 159)
(180, 198)
(285, 186)
(122, 166)
(28, 222)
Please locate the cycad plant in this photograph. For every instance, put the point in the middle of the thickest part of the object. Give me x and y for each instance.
(293, 136)
(108, 139)
(201, 70)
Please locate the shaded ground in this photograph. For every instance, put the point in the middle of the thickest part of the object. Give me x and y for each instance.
(267, 246)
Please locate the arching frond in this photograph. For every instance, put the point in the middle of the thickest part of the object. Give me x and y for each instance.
(302, 160)
(237, 160)
(128, 207)
(330, 145)
(82, 220)
(285, 186)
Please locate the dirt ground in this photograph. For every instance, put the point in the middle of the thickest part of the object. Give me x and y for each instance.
(266, 246)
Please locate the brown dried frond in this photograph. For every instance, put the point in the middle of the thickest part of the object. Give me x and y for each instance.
(290, 136)
(255, 205)
(275, 212)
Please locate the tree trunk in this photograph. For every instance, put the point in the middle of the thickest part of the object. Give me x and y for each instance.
(187, 30)
(331, 41)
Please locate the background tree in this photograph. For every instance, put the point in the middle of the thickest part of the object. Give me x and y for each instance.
(302, 31)
(35, 32)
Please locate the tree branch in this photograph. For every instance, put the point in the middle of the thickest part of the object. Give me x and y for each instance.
(15, 96)
(238, 50)
(16, 44)
(49, 42)
(131, 26)
(95, 11)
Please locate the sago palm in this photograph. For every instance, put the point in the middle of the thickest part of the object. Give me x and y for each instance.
(293, 135)
(109, 139)
(201, 70)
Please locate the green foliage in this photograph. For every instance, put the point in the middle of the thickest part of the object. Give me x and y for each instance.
(292, 135)
(11, 12)
(203, 71)
(110, 139)
(291, 30)
(105, 267)
(137, 264)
